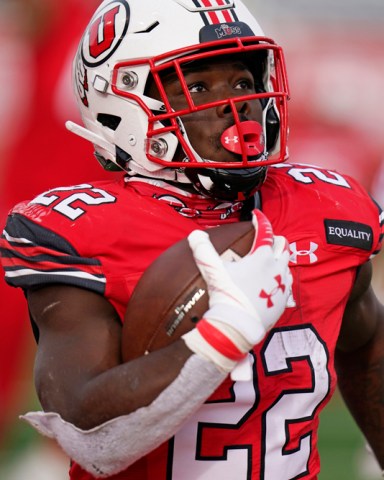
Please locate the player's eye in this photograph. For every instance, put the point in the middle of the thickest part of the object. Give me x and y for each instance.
(245, 84)
(197, 87)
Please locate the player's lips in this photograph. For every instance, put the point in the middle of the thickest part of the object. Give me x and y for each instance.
(250, 133)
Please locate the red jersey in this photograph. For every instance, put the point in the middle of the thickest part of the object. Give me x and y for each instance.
(103, 236)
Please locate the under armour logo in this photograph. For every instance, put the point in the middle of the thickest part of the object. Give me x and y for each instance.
(268, 296)
(308, 253)
(229, 140)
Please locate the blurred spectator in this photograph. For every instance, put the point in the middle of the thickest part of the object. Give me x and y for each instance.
(40, 158)
(16, 61)
(334, 58)
(37, 43)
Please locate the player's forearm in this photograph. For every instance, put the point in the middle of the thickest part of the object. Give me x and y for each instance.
(118, 443)
(117, 391)
(360, 381)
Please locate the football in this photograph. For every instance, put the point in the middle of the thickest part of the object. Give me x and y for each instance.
(171, 296)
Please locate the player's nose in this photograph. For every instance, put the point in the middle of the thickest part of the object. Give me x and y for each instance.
(241, 106)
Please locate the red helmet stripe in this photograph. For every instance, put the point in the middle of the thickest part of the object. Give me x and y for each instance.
(214, 16)
(226, 13)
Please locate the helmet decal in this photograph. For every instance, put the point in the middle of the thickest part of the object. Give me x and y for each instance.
(223, 13)
(105, 33)
(223, 31)
(226, 30)
(81, 81)
(220, 21)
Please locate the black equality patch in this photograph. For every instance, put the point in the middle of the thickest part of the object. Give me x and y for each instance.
(349, 234)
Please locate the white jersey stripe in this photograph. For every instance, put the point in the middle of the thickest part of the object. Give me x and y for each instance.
(26, 272)
(11, 239)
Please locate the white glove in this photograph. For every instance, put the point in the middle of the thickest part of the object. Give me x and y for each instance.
(246, 298)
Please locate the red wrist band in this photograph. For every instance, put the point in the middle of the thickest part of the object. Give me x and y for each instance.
(219, 341)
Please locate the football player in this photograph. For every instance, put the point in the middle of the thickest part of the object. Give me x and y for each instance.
(189, 99)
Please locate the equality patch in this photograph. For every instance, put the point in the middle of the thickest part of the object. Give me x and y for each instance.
(349, 234)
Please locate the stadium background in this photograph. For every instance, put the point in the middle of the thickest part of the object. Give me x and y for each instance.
(334, 52)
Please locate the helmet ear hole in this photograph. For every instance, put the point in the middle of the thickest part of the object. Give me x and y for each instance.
(109, 121)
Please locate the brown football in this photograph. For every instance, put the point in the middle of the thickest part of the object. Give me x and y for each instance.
(171, 296)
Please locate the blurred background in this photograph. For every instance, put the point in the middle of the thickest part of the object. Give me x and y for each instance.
(334, 54)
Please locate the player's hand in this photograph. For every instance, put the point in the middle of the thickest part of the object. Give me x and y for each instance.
(246, 298)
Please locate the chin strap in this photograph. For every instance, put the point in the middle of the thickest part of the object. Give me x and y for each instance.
(168, 174)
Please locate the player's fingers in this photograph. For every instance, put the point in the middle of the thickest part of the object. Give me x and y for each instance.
(206, 257)
(263, 230)
(280, 246)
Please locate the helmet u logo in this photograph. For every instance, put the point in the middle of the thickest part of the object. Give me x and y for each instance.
(101, 39)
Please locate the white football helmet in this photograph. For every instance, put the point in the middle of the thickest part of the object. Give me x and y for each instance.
(128, 42)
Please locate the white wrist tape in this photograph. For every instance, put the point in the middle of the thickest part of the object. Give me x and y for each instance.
(198, 344)
(217, 340)
(115, 445)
